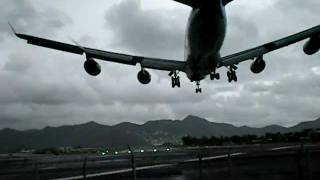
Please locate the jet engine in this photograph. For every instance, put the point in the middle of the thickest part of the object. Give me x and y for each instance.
(258, 65)
(312, 46)
(144, 77)
(92, 67)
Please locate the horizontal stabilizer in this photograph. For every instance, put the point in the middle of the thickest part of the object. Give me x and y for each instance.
(225, 2)
(194, 3)
(191, 3)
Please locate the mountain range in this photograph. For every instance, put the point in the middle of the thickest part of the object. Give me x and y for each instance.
(92, 134)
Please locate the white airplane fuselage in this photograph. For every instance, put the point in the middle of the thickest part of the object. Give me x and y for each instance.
(205, 35)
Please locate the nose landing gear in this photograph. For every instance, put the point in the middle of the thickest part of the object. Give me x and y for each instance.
(198, 89)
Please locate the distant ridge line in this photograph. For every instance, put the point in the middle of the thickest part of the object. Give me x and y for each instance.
(93, 134)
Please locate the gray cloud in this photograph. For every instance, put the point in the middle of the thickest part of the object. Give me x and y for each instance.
(241, 33)
(310, 7)
(149, 32)
(26, 17)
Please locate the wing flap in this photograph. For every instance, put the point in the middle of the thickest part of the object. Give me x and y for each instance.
(167, 65)
(153, 63)
(110, 56)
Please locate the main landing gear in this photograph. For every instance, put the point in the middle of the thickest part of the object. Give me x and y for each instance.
(232, 76)
(175, 79)
(198, 89)
(214, 75)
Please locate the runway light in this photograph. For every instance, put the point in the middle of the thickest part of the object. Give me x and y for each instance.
(129, 152)
(142, 151)
(155, 150)
(116, 153)
(167, 149)
(103, 153)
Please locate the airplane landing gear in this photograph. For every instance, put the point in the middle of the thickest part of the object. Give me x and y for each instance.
(198, 89)
(232, 76)
(214, 75)
(175, 79)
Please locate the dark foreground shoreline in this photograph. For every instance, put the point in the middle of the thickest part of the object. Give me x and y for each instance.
(285, 161)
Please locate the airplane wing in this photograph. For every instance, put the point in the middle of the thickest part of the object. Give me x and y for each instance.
(266, 48)
(146, 62)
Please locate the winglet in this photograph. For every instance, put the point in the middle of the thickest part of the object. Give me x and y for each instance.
(12, 28)
(15, 32)
(22, 36)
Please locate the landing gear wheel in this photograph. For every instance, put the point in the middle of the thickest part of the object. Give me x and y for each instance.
(232, 76)
(198, 89)
(214, 76)
(233, 73)
(229, 77)
(175, 79)
(218, 76)
(178, 82)
(173, 82)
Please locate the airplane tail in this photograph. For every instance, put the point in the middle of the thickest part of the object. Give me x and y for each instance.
(191, 3)
(225, 2)
(195, 3)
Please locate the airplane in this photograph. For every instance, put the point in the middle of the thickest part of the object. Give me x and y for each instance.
(206, 31)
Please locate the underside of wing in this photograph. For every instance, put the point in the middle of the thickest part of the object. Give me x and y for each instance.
(146, 62)
(311, 47)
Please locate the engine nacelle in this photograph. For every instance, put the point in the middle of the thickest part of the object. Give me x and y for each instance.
(92, 67)
(312, 46)
(144, 77)
(258, 65)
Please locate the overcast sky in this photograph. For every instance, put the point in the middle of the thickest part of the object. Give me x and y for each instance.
(41, 87)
